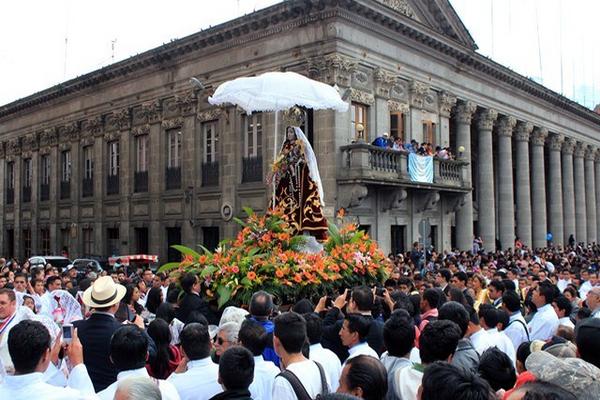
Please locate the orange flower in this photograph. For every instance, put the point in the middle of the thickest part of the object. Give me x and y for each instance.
(298, 278)
(251, 275)
(279, 273)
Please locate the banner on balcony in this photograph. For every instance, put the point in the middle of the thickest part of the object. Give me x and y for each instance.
(420, 168)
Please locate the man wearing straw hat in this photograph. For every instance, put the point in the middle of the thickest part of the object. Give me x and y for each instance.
(103, 298)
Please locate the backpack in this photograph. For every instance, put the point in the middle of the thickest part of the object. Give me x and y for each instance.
(299, 388)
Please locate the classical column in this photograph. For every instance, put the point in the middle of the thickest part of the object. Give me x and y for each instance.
(523, 189)
(463, 114)
(506, 205)
(590, 194)
(485, 179)
(568, 188)
(538, 187)
(556, 191)
(580, 211)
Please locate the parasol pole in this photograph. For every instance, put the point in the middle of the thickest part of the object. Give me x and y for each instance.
(275, 153)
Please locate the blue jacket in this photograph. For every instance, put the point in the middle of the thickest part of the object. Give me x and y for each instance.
(269, 352)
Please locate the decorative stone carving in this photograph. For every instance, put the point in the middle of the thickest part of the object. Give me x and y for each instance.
(456, 204)
(92, 127)
(523, 131)
(447, 101)
(539, 135)
(486, 118)
(590, 152)
(361, 96)
(569, 145)
(398, 90)
(64, 146)
(396, 106)
(86, 141)
(597, 159)
(30, 142)
(187, 103)
(123, 119)
(14, 147)
(555, 141)
(579, 150)
(172, 123)
(384, 82)
(332, 68)
(463, 112)
(361, 77)
(141, 130)
(152, 111)
(505, 125)
(210, 115)
(417, 91)
(171, 107)
(351, 196)
(72, 131)
(401, 6)
(396, 199)
(111, 136)
(430, 201)
(48, 137)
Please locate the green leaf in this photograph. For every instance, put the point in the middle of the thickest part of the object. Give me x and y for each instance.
(224, 295)
(253, 252)
(208, 270)
(246, 282)
(168, 267)
(205, 250)
(249, 212)
(239, 221)
(186, 250)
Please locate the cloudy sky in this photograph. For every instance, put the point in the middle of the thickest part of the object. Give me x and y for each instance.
(47, 42)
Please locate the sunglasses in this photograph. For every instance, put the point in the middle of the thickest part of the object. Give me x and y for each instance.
(220, 341)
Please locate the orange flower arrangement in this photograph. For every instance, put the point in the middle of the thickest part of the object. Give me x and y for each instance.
(265, 256)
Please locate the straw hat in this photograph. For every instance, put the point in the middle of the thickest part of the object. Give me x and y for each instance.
(103, 293)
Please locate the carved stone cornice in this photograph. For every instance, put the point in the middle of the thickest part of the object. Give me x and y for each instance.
(152, 111)
(417, 91)
(396, 106)
(569, 145)
(360, 96)
(332, 68)
(72, 131)
(486, 119)
(579, 150)
(49, 137)
(187, 102)
(141, 130)
(590, 152)
(92, 127)
(123, 119)
(539, 135)
(523, 131)
(384, 81)
(446, 101)
(29, 142)
(506, 125)
(13, 148)
(210, 115)
(172, 123)
(401, 6)
(555, 141)
(111, 136)
(463, 112)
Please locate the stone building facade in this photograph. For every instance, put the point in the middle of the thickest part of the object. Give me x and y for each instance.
(131, 158)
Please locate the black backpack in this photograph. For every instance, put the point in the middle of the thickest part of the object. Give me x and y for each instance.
(298, 387)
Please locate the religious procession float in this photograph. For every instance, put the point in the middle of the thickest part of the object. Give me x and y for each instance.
(292, 251)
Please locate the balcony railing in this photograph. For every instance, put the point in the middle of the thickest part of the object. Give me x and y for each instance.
(112, 184)
(10, 195)
(210, 174)
(252, 169)
(65, 189)
(368, 163)
(26, 194)
(44, 192)
(173, 178)
(140, 183)
(87, 187)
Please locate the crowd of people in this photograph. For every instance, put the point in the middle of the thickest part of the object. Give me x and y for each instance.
(423, 149)
(522, 324)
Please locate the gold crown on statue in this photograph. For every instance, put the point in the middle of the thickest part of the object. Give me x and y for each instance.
(293, 117)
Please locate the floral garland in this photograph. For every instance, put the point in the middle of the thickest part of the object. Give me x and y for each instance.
(265, 256)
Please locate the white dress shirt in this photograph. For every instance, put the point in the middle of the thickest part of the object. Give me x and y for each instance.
(199, 382)
(167, 390)
(562, 284)
(22, 313)
(566, 321)
(584, 289)
(33, 386)
(481, 341)
(543, 324)
(503, 343)
(517, 329)
(330, 363)
(307, 372)
(361, 349)
(264, 376)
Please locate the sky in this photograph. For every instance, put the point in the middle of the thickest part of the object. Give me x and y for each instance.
(47, 42)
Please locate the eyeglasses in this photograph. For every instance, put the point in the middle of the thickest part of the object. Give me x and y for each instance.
(220, 341)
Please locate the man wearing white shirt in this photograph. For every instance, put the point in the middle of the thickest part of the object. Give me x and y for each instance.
(593, 301)
(327, 358)
(563, 307)
(289, 336)
(490, 319)
(354, 336)
(586, 284)
(544, 323)
(479, 338)
(253, 336)
(128, 352)
(29, 347)
(563, 280)
(197, 376)
(516, 329)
